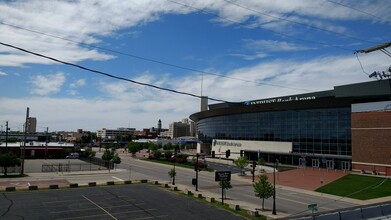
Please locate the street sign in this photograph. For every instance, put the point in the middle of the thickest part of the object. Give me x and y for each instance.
(223, 176)
(313, 207)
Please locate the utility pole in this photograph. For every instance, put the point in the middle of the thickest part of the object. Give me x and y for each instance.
(196, 169)
(382, 47)
(46, 149)
(23, 150)
(6, 136)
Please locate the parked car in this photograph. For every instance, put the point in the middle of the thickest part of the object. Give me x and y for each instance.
(73, 156)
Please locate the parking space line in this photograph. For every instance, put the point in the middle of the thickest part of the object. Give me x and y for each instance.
(80, 217)
(152, 217)
(99, 207)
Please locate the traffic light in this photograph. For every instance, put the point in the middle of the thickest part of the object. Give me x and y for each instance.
(213, 154)
(227, 153)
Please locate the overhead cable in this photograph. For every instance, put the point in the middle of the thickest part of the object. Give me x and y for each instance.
(361, 11)
(148, 59)
(107, 74)
(267, 29)
(296, 22)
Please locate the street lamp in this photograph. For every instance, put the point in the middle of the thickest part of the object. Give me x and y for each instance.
(274, 191)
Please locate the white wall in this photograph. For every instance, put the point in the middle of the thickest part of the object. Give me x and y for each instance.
(220, 146)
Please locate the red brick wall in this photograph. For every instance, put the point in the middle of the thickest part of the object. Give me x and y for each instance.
(371, 138)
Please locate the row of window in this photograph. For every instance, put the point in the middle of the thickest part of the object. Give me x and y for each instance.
(324, 131)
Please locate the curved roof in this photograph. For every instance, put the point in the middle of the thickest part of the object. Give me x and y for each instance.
(341, 96)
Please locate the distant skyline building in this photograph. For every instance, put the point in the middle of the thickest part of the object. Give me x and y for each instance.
(112, 134)
(31, 125)
(179, 129)
(159, 127)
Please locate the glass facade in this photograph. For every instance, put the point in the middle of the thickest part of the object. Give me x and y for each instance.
(325, 131)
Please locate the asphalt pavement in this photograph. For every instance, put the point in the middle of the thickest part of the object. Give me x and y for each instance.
(134, 201)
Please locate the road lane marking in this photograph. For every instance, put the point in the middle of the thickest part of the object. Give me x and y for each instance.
(99, 207)
(117, 178)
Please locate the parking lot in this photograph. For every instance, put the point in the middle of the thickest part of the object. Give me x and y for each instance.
(135, 201)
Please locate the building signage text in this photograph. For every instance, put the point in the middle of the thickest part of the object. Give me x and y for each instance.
(278, 100)
(226, 143)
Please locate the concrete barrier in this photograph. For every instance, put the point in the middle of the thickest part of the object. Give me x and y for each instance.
(386, 209)
(198, 195)
(92, 184)
(73, 185)
(328, 216)
(351, 215)
(10, 188)
(234, 207)
(253, 213)
(53, 186)
(188, 192)
(371, 212)
(33, 187)
(210, 199)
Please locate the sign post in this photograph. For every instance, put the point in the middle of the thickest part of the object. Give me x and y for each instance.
(313, 207)
(222, 176)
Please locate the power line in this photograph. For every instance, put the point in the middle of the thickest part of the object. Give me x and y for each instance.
(270, 30)
(362, 68)
(359, 10)
(296, 22)
(107, 74)
(147, 59)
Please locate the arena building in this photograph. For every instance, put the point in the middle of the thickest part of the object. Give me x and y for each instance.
(347, 128)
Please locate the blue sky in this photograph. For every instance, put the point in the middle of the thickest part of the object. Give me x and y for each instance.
(241, 50)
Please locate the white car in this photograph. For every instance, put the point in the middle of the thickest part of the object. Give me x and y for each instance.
(73, 156)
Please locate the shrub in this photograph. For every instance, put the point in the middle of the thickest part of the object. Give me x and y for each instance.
(167, 154)
(156, 154)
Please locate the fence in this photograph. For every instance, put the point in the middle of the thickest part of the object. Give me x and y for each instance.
(92, 164)
(15, 169)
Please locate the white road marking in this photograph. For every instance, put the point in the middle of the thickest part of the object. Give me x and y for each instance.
(117, 178)
(100, 207)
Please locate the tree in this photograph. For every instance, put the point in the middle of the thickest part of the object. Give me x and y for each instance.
(8, 160)
(172, 173)
(241, 162)
(116, 159)
(133, 148)
(167, 154)
(263, 189)
(107, 156)
(225, 185)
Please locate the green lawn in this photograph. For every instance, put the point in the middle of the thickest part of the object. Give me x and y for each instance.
(359, 187)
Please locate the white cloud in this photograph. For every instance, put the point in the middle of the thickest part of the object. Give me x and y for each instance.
(272, 45)
(93, 19)
(141, 107)
(257, 55)
(47, 84)
(78, 83)
(3, 73)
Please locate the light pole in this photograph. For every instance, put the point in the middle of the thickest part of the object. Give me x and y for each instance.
(174, 174)
(274, 191)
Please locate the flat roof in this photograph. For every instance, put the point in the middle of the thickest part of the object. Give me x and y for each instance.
(340, 96)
